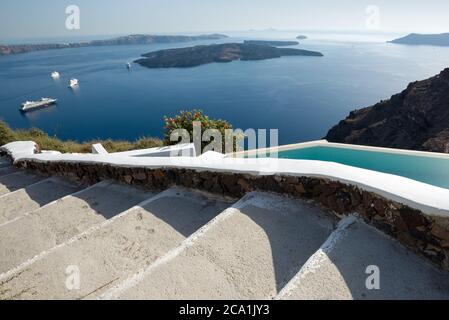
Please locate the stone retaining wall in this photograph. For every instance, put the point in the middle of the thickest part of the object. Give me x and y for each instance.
(425, 234)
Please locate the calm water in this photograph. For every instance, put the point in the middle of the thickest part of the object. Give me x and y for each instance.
(434, 171)
(301, 96)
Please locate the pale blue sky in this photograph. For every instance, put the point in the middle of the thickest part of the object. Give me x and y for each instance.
(46, 18)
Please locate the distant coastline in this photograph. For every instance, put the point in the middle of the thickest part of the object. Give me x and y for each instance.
(199, 55)
(272, 43)
(134, 39)
(424, 39)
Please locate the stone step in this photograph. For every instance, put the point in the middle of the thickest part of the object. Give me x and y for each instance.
(18, 180)
(247, 252)
(116, 248)
(341, 271)
(59, 221)
(7, 170)
(18, 203)
(4, 162)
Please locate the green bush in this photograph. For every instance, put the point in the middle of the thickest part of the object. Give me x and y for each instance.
(185, 119)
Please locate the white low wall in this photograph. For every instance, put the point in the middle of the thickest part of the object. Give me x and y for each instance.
(178, 150)
(429, 199)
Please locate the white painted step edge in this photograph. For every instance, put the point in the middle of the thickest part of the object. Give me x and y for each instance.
(169, 192)
(315, 261)
(115, 291)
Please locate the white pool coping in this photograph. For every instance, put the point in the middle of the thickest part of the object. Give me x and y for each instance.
(427, 198)
(325, 143)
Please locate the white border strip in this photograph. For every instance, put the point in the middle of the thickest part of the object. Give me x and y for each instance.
(117, 290)
(316, 260)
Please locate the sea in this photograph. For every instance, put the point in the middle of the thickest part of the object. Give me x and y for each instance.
(302, 97)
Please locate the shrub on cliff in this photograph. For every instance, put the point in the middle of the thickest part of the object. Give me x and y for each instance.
(185, 120)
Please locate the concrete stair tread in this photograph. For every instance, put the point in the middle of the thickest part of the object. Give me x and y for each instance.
(119, 247)
(7, 170)
(4, 162)
(248, 252)
(32, 197)
(59, 221)
(18, 180)
(341, 273)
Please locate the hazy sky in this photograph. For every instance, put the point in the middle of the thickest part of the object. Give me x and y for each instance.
(46, 18)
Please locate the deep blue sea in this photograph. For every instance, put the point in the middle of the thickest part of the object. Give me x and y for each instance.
(301, 96)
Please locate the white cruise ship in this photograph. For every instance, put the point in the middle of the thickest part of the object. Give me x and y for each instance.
(32, 105)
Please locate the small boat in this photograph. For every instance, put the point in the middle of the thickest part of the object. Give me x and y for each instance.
(128, 65)
(55, 75)
(33, 105)
(73, 83)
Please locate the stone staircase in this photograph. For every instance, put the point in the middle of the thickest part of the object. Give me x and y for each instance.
(122, 242)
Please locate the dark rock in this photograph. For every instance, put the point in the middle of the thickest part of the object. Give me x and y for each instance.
(440, 232)
(140, 176)
(244, 185)
(412, 218)
(416, 119)
(380, 206)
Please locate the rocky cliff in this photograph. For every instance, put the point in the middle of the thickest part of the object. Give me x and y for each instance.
(417, 118)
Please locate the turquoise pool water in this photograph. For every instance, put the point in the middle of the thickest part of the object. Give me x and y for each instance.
(434, 171)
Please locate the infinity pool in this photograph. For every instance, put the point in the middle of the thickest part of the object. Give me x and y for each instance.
(427, 169)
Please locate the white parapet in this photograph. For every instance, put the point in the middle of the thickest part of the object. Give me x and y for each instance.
(179, 150)
(19, 149)
(427, 198)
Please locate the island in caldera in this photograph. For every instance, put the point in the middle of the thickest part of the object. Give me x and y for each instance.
(441, 39)
(203, 54)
